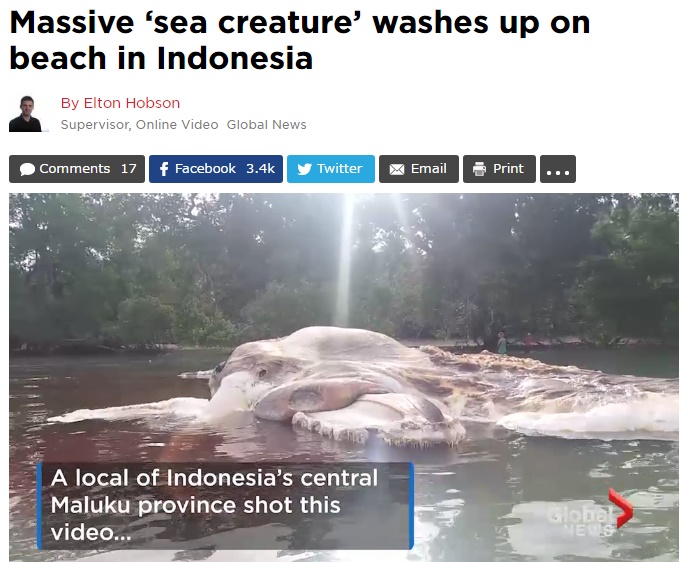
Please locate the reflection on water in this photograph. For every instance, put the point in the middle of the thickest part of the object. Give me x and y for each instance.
(488, 500)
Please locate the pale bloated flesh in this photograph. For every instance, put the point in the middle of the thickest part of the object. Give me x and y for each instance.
(349, 384)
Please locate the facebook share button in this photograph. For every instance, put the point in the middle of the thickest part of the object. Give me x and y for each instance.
(215, 169)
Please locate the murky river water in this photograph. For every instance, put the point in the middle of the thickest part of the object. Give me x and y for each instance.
(491, 499)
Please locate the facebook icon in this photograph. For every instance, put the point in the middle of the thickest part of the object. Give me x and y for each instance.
(163, 168)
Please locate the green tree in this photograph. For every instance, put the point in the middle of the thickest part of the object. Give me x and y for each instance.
(145, 321)
(631, 286)
(220, 269)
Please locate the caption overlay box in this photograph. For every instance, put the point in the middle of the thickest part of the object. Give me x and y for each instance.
(305, 506)
(72, 168)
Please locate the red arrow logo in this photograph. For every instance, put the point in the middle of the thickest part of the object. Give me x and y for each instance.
(624, 504)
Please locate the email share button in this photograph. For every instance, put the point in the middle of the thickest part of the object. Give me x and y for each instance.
(330, 169)
(420, 168)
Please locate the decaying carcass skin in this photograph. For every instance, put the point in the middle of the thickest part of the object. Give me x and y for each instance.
(346, 383)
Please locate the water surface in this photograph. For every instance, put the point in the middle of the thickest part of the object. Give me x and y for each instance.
(488, 500)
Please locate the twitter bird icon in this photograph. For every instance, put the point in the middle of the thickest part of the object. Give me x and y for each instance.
(303, 170)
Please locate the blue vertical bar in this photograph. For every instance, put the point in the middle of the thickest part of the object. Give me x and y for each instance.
(39, 505)
(412, 504)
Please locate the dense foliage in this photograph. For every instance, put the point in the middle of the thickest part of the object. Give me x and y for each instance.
(215, 270)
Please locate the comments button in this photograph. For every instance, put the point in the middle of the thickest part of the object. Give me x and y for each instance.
(77, 169)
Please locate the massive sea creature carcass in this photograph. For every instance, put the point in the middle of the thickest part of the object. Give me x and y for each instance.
(349, 384)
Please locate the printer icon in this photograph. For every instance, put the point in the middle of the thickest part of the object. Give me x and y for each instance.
(479, 169)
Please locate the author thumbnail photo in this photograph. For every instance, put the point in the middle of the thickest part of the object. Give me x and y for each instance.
(25, 123)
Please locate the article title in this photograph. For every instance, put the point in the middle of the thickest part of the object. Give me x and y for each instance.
(201, 58)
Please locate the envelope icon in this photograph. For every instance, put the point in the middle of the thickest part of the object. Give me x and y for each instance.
(396, 169)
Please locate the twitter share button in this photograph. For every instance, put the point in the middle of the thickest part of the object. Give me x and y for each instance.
(331, 169)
